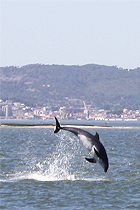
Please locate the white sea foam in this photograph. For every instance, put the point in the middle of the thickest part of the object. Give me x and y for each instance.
(48, 178)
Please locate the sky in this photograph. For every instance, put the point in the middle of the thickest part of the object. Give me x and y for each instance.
(70, 32)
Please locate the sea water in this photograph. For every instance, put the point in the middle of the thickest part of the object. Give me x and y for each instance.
(43, 170)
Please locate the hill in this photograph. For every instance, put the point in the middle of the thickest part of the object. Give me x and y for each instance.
(101, 86)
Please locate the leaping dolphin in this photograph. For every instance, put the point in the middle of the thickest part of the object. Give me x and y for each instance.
(92, 144)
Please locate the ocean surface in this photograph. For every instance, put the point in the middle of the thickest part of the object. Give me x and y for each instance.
(43, 170)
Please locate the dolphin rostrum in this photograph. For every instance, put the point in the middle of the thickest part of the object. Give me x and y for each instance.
(92, 144)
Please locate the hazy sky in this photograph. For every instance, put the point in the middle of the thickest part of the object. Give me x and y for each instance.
(70, 32)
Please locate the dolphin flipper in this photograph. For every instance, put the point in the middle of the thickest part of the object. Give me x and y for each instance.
(91, 160)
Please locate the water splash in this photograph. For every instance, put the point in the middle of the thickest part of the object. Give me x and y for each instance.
(65, 163)
(56, 166)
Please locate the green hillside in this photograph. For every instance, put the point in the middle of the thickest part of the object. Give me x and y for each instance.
(102, 86)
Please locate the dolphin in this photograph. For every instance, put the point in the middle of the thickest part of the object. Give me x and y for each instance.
(92, 144)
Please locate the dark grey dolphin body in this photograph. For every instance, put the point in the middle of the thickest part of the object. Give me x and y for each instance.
(92, 143)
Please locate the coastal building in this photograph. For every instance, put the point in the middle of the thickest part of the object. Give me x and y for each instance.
(7, 110)
(17, 110)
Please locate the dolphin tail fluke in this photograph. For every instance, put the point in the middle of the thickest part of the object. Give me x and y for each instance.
(91, 160)
(58, 127)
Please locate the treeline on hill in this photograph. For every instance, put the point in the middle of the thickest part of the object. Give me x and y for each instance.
(105, 87)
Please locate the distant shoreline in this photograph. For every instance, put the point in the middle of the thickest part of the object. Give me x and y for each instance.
(66, 125)
(50, 125)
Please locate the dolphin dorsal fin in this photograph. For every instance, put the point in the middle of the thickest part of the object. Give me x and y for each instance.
(97, 135)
